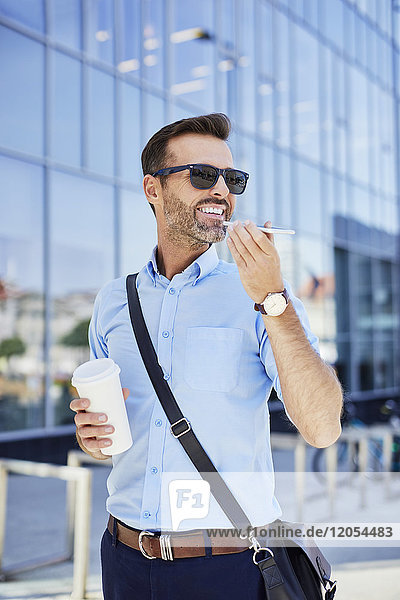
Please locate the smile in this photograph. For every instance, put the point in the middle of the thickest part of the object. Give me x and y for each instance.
(212, 211)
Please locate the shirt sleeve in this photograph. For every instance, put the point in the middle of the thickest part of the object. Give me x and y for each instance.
(266, 354)
(97, 343)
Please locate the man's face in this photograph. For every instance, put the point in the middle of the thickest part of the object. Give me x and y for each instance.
(182, 203)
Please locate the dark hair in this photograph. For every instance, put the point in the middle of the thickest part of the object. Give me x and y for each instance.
(156, 154)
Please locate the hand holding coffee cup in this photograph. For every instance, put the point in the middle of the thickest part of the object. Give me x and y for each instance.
(101, 419)
(92, 427)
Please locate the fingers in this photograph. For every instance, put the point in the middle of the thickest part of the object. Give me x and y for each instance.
(270, 236)
(248, 241)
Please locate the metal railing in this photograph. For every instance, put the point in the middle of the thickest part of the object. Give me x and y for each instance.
(81, 480)
(362, 437)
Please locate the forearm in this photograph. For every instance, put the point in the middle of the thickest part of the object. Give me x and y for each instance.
(310, 389)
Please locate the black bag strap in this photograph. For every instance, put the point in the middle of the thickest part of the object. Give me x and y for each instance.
(180, 426)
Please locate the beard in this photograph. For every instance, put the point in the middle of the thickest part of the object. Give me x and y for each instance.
(183, 226)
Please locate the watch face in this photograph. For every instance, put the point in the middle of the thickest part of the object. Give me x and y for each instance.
(274, 305)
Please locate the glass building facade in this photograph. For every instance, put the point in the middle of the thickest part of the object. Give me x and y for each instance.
(312, 88)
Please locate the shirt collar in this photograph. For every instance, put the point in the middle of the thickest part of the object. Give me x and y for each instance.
(201, 267)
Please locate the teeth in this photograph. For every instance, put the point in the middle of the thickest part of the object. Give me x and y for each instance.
(211, 210)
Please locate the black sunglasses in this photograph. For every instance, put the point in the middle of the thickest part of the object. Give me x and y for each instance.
(204, 177)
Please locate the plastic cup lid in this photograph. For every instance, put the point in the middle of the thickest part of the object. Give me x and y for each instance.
(94, 370)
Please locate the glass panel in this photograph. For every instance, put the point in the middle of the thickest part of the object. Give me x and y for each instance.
(21, 296)
(364, 363)
(387, 129)
(361, 278)
(264, 38)
(247, 205)
(21, 92)
(360, 214)
(306, 109)
(360, 141)
(265, 183)
(327, 113)
(342, 291)
(81, 261)
(340, 112)
(65, 112)
(192, 53)
(246, 64)
(129, 133)
(138, 231)
(332, 21)
(350, 36)
(153, 43)
(308, 199)
(315, 286)
(129, 37)
(26, 12)
(99, 41)
(283, 192)
(66, 20)
(383, 371)
(343, 365)
(154, 119)
(311, 12)
(383, 297)
(100, 122)
(282, 100)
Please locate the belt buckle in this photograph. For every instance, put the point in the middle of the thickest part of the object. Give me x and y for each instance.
(142, 550)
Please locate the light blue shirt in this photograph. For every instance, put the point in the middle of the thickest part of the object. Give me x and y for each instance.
(217, 358)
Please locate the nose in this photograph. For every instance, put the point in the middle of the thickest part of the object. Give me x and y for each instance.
(220, 189)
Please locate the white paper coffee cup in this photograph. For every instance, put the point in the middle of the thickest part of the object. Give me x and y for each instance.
(98, 380)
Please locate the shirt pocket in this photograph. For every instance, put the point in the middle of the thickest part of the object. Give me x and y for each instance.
(212, 358)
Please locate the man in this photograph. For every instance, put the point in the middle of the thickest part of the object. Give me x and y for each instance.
(220, 357)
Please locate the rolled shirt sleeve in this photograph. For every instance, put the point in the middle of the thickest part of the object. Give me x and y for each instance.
(97, 343)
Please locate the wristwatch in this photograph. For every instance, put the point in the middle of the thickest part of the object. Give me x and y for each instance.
(274, 304)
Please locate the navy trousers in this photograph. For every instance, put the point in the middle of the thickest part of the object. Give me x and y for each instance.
(128, 575)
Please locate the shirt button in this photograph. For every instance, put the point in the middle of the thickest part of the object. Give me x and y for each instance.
(146, 514)
(165, 334)
(172, 291)
(167, 376)
(154, 470)
(158, 422)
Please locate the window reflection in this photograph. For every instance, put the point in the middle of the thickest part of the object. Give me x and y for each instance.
(282, 101)
(153, 41)
(81, 261)
(316, 289)
(192, 52)
(100, 122)
(26, 12)
(22, 107)
(21, 296)
(154, 115)
(65, 124)
(129, 133)
(99, 39)
(138, 231)
(246, 64)
(308, 198)
(364, 363)
(360, 141)
(306, 105)
(65, 22)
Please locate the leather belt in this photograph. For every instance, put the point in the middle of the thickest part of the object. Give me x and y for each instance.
(186, 544)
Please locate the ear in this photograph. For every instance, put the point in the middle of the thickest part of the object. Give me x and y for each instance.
(152, 189)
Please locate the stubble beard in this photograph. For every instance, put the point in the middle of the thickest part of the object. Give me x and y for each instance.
(184, 228)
